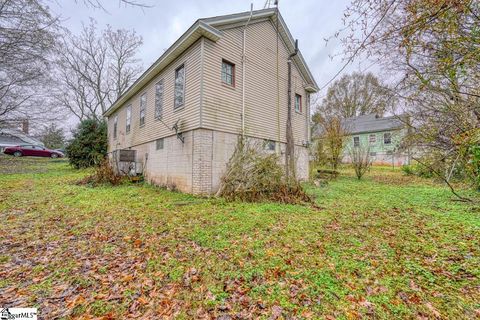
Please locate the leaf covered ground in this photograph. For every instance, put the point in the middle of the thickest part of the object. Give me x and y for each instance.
(386, 247)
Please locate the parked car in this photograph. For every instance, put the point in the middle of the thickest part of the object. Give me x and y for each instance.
(31, 150)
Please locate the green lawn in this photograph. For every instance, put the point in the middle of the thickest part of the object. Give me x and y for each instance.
(386, 247)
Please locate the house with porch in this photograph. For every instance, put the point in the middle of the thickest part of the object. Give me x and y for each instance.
(226, 76)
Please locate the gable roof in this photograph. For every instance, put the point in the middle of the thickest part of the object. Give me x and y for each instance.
(206, 27)
(372, 123)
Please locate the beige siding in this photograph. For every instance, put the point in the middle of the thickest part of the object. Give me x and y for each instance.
(222, 105)
(189, 114)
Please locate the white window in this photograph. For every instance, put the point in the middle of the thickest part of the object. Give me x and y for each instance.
(387, 138)
(372, 138)
(269, 145)
(143, 105)
(298, 103)
(356, 141)
(159, 144)
(228, 73)
(159, 99)
(129, 119)
(115, 123)
(179, 94)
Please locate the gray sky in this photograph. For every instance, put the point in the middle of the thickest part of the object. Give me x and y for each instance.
(311, 21)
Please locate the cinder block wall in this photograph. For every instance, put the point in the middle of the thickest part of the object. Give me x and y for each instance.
(170, 166)
(202, 161)
(197, 165)
(224, 146)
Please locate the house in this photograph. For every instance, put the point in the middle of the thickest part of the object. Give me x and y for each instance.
(225, 76)
(381, 135)
(10, 137)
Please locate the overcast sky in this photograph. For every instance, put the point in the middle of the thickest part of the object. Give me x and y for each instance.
(310, 21)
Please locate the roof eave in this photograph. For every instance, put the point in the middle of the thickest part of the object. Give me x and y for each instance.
(196, 31)
(285, 33)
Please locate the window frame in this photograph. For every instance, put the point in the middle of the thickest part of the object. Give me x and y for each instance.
(232, 65)
(355, 144)
(115, 126)
(128, 119)
(374, 136)
(389, 138)
(157, 143)
(159, 99)
(175, 106)
(143, 109)
(299, 110)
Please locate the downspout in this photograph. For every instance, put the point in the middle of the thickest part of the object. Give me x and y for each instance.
(289, 154)
(243, 68)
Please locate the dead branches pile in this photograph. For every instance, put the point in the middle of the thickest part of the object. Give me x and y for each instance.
(253, 176)
(104, 174)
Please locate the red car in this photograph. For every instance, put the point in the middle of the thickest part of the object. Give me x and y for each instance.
(31, 150)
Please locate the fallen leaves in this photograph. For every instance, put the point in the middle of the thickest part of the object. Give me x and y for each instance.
(130, 253)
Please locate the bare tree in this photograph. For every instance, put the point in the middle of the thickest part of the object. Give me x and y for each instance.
(124, 66)
(27, 35)
(95, 68)
(431, 48)
(354, 95)
(333, 135)
(98, 4)
(360, 159)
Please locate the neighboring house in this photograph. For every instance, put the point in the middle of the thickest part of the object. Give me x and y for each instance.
(382, 135)
(222, 77)
(12, 137)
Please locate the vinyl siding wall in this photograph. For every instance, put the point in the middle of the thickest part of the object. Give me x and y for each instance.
(222, 104)
(189, 114)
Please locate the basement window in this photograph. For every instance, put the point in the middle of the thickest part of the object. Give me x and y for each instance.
(159, 144)
(269, 145)
(387, 138)
(228, 73)
(298, 103)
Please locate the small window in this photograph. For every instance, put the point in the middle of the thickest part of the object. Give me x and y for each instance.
(389, 152)
(373, 154)
(269, 145)
(115, 123)
(179, 95)
(372, 138)
(228, 73)
(298, 103)
(159, 144)
(143, 105)
(356, 141)
(159, 99)
(129, 119)
(387, 138)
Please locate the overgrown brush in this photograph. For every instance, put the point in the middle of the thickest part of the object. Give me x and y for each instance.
(255, 176)
(104, 174)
